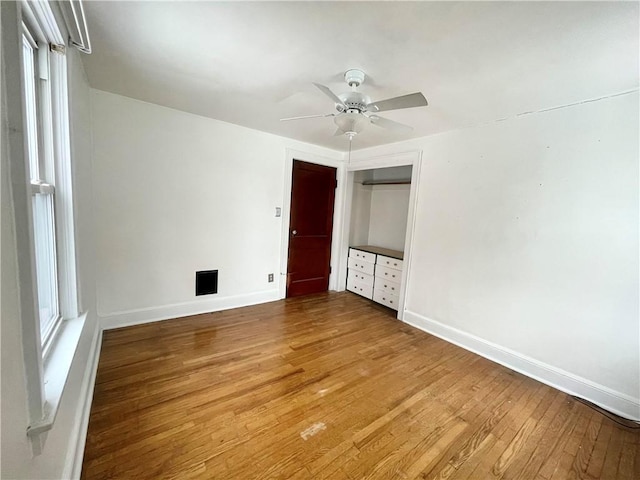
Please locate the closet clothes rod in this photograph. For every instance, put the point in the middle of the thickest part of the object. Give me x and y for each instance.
(386, 182)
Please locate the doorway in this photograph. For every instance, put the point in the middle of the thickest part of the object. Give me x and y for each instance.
(310, 227)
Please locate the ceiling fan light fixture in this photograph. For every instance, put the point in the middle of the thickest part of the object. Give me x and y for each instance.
(351, 123)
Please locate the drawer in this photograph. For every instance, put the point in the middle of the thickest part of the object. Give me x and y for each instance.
(360, 255)
(387, 286)
(388, 273)
(360, 288)
(389, 262)
(388, 299)
(360, 277)
(361, 265)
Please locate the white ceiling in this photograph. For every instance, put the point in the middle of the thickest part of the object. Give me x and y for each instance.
(253, 63)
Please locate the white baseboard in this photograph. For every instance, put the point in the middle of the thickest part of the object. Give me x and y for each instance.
(165, 312)
(73, 467)
(611, 400)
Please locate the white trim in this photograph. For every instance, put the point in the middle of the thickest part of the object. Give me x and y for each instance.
(23, 218)
(73, 465)
(361, 161)
(412, 158)
(346, 229)
(140, 316)
(65, 231)
(41, 15)
(609, 399)
(56, 370)
(338, 210)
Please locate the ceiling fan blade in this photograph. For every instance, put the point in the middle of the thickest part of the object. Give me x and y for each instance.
(406, 101)
(307, 116)
(390, 124)
(329, 94)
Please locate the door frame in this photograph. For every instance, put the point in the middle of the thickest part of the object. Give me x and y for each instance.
(338, 212)
(362, 161)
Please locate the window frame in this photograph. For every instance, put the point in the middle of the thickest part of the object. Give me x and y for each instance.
(47, 363)
(40, 127)
(55, 171)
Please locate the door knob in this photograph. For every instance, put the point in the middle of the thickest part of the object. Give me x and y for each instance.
(294, 233)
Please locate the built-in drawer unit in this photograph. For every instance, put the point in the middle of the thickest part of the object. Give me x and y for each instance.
(375, 273)
(386, 298)
(389, 262)
(360, 277)
(359, 254)
(387, 286)
(361, 266)
(387, 273)
(360, 288)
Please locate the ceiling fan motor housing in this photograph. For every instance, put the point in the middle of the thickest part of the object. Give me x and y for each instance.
(355, 102)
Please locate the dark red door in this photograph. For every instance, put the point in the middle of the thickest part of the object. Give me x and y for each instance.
(313, 190)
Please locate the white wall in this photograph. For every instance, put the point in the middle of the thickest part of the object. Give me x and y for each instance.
(176, 193)
(526, 242)
(379, 215)
(389, 208)
(360, 215)
(59, 455)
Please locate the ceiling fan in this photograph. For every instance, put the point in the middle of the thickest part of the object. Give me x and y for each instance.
(356, 109)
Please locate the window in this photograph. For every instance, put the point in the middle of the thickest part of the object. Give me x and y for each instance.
(39, 141)
(51, 323)
(47, 145)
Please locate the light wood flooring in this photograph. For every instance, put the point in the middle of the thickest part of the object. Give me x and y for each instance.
(331, 386)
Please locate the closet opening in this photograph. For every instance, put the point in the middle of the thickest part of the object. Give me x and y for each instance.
(377, 234)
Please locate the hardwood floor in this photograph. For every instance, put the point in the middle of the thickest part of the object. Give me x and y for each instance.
(331, 386)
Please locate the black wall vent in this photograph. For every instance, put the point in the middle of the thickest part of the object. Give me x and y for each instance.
(206, 282)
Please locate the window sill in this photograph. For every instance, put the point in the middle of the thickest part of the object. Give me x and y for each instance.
(56, 368)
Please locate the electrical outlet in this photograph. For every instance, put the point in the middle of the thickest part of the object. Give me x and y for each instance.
(270, 277)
